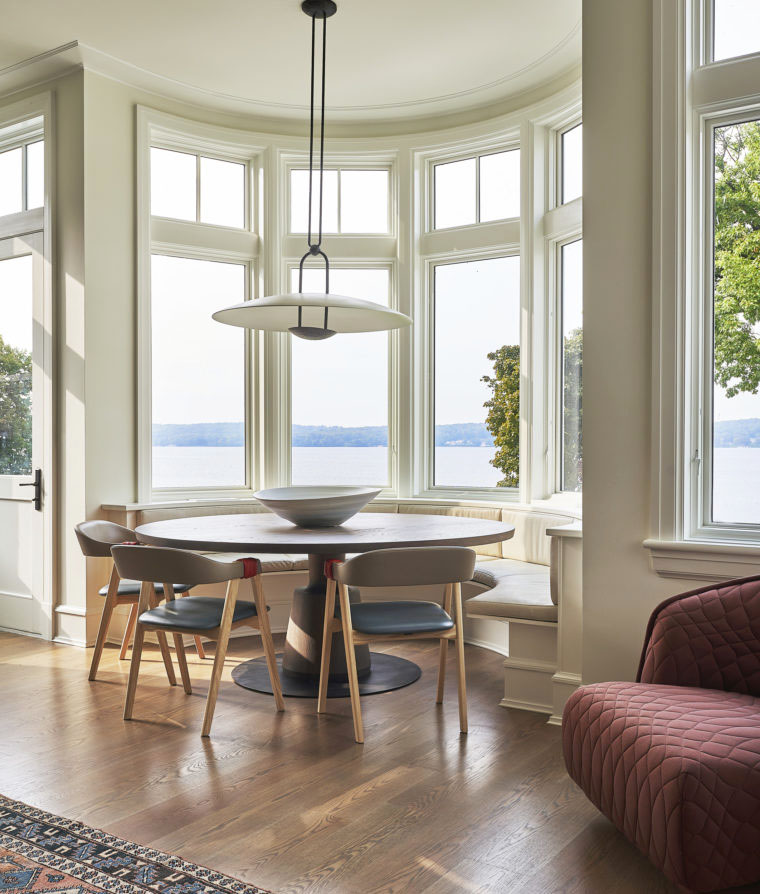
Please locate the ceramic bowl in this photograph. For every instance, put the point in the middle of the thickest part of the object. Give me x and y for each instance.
(316, 506)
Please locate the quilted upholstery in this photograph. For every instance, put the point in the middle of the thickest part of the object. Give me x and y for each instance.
(677, 770)
(674, 759)
(709, 637)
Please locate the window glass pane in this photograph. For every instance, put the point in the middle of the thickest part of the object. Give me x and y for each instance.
(364, 201)
(455, 194)
(500, 185)
(736, 404)
(198, 374)
(572, 164)
(222, 192)
(477, 373)
(737, 28)
(11, 186)
(172, 184)
(299, 202)
(35, 174)
(16, 366)
(340, 392)
(572, 366)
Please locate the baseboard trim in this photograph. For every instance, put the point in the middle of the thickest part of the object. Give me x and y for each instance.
(555, 720)
(70, 641)
(525, 664)
(535, 707)
(483, 644)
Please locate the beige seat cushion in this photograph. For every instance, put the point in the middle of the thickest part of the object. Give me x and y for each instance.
(270, 562)
(518, 590)
(530, 543)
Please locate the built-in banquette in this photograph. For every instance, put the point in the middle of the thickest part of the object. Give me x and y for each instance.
(524, 600)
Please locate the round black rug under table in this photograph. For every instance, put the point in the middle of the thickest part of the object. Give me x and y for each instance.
(387, 672)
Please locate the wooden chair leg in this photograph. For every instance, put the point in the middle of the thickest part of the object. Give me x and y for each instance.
(105, 621)
(460, 658)
(443, 649)
(353, 680)
(179, 648)
(128, 631)
(266, 641)
(219, 655)
(161, 636)
(134, 669)
(327, 635)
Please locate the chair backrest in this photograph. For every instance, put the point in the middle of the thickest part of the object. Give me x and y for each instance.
(97, 537)
(176, 566)
(413, 567)
(707, 638)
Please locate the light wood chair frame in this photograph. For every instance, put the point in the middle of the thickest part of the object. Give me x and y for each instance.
(452, 597)
(220, 634)
(113, 599)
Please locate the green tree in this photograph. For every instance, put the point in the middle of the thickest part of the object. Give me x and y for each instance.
(572, 411)
(503, 419)
(737, 258)
(15, 410)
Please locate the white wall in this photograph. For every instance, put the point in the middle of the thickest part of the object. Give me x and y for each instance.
(619, 589)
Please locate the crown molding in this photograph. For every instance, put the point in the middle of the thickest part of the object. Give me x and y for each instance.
(76, 55)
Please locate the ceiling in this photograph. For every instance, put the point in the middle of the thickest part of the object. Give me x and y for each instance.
(390, 61)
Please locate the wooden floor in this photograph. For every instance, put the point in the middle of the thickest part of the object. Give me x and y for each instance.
(289, 802)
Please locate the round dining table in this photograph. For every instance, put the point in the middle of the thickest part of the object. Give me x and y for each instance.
(267, 533)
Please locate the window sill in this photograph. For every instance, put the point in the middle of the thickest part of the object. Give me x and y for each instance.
(690, 560)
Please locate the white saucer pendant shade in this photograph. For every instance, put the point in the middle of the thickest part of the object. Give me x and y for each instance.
(311, 315)
(282, 313)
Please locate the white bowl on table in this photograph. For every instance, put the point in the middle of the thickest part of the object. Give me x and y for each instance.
(316, 506)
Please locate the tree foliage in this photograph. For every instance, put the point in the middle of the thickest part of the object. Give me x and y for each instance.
(737, 258)
(503, 419)
(15, 410)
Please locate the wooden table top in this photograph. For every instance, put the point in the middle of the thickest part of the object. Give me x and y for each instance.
(267, 533)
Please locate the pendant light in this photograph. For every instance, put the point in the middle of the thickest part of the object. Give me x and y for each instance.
(311, 315)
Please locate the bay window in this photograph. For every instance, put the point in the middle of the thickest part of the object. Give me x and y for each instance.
(481, 399)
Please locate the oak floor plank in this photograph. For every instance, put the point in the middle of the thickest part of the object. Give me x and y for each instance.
(289, 801)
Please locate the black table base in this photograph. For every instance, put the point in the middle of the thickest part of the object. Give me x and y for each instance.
(386, 673)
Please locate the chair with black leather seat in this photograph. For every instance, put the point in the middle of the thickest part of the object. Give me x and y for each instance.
(96, 539)
(398, 620)
(207, 616)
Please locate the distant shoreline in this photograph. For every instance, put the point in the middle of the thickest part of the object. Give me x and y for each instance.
(731, 433)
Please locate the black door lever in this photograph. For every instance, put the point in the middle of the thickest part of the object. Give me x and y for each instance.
(37, 485)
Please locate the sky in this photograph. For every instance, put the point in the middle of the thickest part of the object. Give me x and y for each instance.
(737, 28)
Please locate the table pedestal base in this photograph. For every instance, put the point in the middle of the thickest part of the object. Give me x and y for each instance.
(387, 672)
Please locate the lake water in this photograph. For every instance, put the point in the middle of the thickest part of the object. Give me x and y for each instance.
(224, 466)
(737, 471)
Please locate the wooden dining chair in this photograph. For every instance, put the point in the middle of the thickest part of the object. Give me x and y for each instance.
(207, 616)
(96, 539)
(397, 621)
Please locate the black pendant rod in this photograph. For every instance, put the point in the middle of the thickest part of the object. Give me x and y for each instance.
(315, 248)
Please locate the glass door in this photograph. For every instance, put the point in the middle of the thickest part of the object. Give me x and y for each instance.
(23, 410)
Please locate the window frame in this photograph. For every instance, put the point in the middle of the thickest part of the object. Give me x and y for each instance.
(465, 155)
(194, 240)
(719, 93)
(347, 164)
(559, 354)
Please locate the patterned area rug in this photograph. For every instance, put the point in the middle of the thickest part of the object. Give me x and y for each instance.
(45, 854)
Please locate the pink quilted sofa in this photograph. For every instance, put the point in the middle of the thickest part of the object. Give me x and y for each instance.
(673, 760)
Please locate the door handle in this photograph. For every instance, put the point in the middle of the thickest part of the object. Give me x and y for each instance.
(37, 485)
